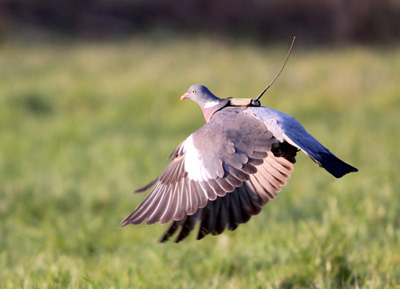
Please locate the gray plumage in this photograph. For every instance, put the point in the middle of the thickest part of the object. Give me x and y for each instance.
(224, 172)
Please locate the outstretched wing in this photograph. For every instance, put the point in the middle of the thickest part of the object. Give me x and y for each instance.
(287, 129)
(244, 202)
(226, 167)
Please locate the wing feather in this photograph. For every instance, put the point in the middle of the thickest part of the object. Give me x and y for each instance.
(179, 211)
(159, 208)
(170, 209)
(209, 190)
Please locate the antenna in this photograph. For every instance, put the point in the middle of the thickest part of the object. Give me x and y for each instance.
(257, 100)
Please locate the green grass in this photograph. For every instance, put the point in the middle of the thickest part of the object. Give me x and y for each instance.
(82, 125)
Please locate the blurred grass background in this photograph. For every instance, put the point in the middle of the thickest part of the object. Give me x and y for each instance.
(90, 110)
(83, 124)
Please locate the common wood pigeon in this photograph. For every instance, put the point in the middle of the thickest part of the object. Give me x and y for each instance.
(224, 172)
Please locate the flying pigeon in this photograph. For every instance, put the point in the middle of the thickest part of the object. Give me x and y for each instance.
(224, 172)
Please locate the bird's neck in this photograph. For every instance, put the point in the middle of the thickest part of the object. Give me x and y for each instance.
(212, 106)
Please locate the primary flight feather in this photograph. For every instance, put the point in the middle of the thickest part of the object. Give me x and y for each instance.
(224, 172)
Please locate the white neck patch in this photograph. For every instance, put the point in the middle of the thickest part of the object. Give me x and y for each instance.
(211, 104)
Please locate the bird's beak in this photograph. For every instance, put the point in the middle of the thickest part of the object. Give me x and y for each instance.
(186, 95)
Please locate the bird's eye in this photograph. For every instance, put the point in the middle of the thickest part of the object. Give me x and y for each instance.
(194, 91)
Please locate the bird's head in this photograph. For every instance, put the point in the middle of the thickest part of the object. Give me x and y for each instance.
(208, 102)
(202, 95)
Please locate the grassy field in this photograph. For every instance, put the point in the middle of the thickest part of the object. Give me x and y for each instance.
(82, 125)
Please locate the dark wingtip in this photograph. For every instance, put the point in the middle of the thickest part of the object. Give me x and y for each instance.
(171, 231)
(335, 166)
(349, 169)
(163, 239)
